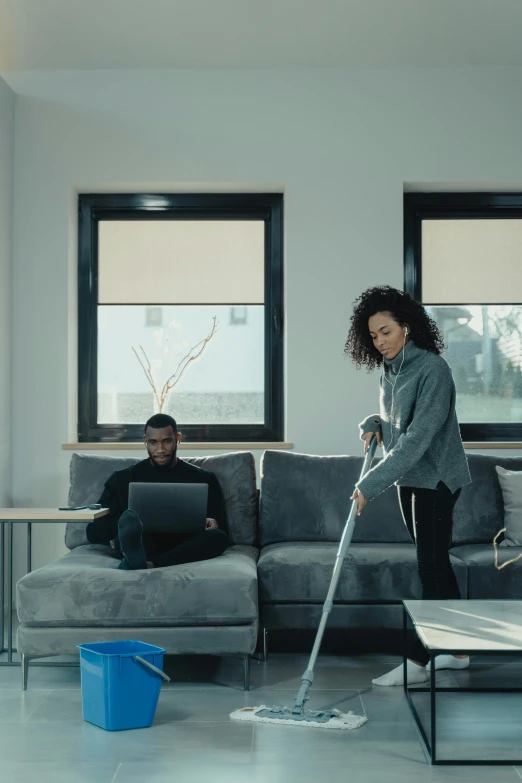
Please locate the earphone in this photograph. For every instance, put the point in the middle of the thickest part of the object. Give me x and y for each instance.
(393, 385)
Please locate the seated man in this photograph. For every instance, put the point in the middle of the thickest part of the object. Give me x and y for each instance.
(151, 550)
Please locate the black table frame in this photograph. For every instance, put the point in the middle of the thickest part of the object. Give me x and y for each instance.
(431, 743)
(7, 545)
(10, 587)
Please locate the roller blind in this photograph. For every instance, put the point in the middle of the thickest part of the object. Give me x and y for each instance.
(181, 262)
(472, 261)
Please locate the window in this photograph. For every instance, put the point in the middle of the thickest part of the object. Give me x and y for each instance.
(463, 260)
(154, 316)
(238, 316)
(165, 282)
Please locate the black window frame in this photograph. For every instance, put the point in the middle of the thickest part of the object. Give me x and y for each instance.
(93, 207)
(444, 206)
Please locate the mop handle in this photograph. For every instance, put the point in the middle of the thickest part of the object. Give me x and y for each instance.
(346, 539)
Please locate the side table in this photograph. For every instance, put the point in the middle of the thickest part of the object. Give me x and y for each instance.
(27, 516)
(461, 627)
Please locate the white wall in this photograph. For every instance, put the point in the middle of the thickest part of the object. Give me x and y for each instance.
(7, 117)
(341, 144)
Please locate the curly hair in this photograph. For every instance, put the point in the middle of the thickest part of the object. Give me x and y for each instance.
(404, 309)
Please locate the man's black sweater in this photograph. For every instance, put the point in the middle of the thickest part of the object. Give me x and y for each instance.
(115, 495)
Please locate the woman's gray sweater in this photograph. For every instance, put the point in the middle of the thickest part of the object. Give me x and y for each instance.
(421, 436)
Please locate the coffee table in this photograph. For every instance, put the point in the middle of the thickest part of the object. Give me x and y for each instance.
(27, 516)
(461, 628)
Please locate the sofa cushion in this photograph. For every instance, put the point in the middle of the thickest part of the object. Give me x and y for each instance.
(486, 581)
(301, 572)
(479, 512)
(186, 640)
(236, 473)
(307, 498)
(511, 485)
(86, 588)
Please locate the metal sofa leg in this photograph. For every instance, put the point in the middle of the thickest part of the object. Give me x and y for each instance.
(246, 672)
(25, 670)
(265, 644)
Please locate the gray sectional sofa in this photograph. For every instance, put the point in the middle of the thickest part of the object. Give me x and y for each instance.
(276, 573)
(304, 502)
(205, 607)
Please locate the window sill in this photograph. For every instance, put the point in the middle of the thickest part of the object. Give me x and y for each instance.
(183, 446)
(248, 446)
(493, 445)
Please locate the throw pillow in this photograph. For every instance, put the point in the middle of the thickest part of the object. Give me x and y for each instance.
(511, 486)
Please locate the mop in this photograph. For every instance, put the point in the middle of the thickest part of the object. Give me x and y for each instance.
(298, 715)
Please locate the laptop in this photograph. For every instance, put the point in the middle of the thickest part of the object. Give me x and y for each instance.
(170, 508)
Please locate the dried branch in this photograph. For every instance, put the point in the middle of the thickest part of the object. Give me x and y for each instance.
(148, 374)
(187, 359)
(194, 353)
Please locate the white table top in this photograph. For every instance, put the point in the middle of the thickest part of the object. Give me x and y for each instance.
(50, 515)
(468, 626)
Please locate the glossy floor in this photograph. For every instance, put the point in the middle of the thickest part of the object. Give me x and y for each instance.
(43, 737)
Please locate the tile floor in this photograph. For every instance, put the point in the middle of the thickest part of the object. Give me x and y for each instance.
(43, 738)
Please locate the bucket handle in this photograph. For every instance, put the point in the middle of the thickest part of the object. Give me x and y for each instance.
(152, 667)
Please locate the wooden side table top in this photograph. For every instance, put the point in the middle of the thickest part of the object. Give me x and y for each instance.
(50, 515)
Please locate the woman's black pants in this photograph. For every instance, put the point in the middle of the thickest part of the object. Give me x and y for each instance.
(428, 515)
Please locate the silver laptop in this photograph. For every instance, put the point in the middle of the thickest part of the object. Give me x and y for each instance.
(170, 508)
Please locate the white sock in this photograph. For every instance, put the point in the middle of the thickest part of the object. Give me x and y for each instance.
(415, 673)
(449, 662)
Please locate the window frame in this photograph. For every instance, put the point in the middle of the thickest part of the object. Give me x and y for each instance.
(444, 206)
(93, 207)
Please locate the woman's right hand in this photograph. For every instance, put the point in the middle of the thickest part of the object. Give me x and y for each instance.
(367, 437)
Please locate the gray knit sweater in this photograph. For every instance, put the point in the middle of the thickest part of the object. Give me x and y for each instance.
(421, 437)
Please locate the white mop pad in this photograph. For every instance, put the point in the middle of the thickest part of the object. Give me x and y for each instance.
(339, 720)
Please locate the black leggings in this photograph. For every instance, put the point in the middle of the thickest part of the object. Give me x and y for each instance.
(190, 549)
(428, 514)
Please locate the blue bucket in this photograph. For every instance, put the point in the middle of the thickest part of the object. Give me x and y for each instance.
(121, 683)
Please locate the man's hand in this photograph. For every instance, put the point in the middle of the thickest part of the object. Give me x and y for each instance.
(360, 500)
(211, 524)
(367, 438)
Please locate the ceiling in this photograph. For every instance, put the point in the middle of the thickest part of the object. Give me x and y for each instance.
(146, 34)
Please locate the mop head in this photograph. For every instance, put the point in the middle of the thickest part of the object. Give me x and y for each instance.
(331, 719)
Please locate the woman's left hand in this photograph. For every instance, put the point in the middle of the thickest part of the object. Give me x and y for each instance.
(360, 500)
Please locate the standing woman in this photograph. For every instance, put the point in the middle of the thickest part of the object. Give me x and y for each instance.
(418, 428)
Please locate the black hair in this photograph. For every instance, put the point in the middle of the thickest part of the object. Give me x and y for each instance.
(159, 421)
(404, 309)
